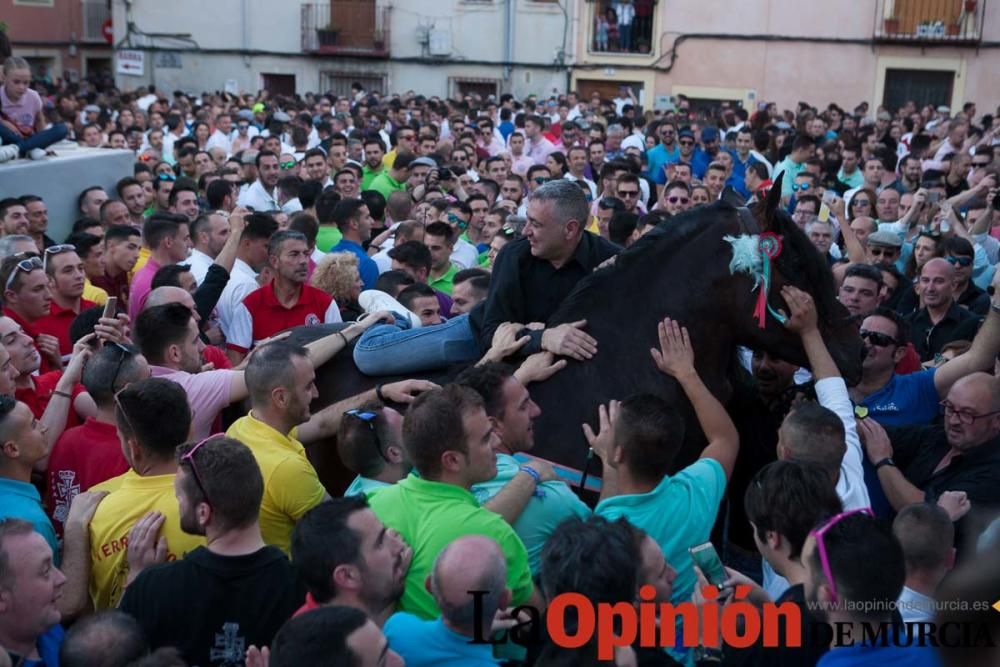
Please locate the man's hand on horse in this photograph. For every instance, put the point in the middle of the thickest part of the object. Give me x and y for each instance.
(675, 356)
(803, 318)
(506, 341)
(406, 390)
(539, 367)
(603, 444)
(570, 340)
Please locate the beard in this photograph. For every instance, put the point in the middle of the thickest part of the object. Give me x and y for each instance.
(189, 522)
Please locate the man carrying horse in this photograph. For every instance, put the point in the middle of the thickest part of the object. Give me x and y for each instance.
(531, 278)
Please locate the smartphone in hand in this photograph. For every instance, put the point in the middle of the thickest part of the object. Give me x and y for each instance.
(707, 559)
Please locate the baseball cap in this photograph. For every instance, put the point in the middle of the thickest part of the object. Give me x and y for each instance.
(92, 108)
(885, 238)
(425, 161)
(685, 133)
(709, 134)
(250, 156)
(258, 108)
(245, 114)
(282, 117)
(884, 115)
(633, 141)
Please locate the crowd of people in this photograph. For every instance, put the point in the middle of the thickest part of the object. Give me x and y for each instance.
(158, 505)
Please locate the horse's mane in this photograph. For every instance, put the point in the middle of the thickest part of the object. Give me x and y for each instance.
(800, 263)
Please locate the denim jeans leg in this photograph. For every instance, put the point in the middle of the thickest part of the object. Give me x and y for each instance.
(42, 139)
(386, 349)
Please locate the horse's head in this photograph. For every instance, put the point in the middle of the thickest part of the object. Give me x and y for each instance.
(798, 263)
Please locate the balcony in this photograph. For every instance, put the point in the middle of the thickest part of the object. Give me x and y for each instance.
(94, 14)
(928, 22)
(357, 28)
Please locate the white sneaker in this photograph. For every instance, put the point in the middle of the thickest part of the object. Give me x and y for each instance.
(373, 300)
(9, 153)
(36, 153)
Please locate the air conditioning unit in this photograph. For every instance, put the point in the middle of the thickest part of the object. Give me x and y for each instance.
(440, 42)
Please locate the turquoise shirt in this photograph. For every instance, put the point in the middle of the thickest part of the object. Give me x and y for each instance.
(20, 500)
(433, 644)
(679, 514)
(542, 513)
(362, 486)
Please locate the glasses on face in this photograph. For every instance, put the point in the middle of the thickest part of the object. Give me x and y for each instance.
(27, 265)
(980, 165)
(859, 202)
(188, 457)
(369, 419)
(541, 179)
(686, 142)
(966, 417)
(57, 250)
(824, 560)
(287, 165)
(628, 193)
(877, 339)
(166, 177)
(959, 261)
(800, 186)
(678, 200)
(882, 252)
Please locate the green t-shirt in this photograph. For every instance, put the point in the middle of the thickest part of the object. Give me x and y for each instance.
(445, 283)
(328, 237)
(384, 184)
(431, 515)
(542, 513)
(368, 175)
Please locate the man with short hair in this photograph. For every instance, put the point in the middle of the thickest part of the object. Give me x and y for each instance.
(439, 238)
(285, 302)
(393, 178)
(663, 153)
(345, 632)
(469, 288)
(960, 253)
(27, 300)
(803, 148)
(30, 587)
(941, 320)
(121, 252)
(38, 220)
(90, 200)
(887, 205)
(849, 176)
(926, 534)
(715, 179)
(109, 638)
(153, 418)
(470, 563)
(874, 169)
(209, 232)
(347, 557)
(90, 248)
(370, 445)
(450, 441)
(374, 149)
(262, 195)
(354, 221)
(537, 147)
(860, 291)
(131, 194)
(235, 586)
(183, 200)
(251, 257)
(114, 212)
(675, 198)
(422, 301)
(64, 268)
(884, 247)
(169, 239)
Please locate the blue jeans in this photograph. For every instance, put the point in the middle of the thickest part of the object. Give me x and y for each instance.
(42, 139)
(396, 349)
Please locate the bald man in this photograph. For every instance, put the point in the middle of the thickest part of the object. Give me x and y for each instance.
(470, 563)
(919, 463)
(941, 320)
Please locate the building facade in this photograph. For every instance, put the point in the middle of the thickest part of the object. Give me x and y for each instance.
(60, 38)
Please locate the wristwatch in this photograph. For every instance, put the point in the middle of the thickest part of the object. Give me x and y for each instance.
(995, 307)
(887, 461)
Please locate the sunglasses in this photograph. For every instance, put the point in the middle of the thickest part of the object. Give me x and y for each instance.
(57, 250)
(457, 221)
(858, 202)
(960, 261)
(800, 186)
(882, 252)
(878, 339)
(188, 457)
(287, 165)
(678, 200)
(369, 419)
(980, 165)
(628, 193)
(966, 417)
(126, 353)
(541, 179)
(27, 265)
(824, 559)
(166, 177)
(686, 142)
(932, 235)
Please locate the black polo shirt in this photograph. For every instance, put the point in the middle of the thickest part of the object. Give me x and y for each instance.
(975, 300)
(527, 289)
(928, 338)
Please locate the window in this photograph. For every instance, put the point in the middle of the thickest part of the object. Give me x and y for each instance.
(339, 83)
(622, 27)
(469, 86)
(36, 3)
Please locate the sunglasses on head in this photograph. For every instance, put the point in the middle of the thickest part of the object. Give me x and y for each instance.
(27, 265)
(57, 250)
(932, 235)
(960, 261)
(369, 419)
(824, 559)
(878, 339)
(188, 457)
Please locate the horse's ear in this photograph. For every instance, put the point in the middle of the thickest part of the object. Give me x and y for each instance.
(768, 219)
(732, 197)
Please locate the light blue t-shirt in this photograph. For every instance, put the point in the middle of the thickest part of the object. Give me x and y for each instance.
(20, 500)
(362, 486)
(905, 399)
(433, 644)
(541, 515)
(678, 514)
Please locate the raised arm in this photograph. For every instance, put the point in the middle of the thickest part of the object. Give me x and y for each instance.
(237, 223)
(676, 358)
(983, 353)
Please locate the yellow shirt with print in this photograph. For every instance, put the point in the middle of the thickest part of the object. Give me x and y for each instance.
(130, 498)
(291, 485)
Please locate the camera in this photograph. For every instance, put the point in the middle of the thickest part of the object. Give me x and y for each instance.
(444, 174)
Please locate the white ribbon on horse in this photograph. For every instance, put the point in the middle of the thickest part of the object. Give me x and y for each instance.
(753, 254)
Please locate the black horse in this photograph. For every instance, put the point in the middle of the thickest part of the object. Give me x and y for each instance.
(680, 270)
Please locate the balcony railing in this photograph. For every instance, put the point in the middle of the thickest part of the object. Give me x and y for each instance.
(346, 27)
(929, 21)
(93, 15)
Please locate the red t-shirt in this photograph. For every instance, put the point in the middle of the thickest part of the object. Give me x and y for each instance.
(38, 397)
(57, 324)
(31, 330)
(308, 605)
(261, 315)
(82, 457)
(910, 363)
(215, 355)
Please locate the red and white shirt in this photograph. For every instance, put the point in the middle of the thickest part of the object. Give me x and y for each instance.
(261, 315)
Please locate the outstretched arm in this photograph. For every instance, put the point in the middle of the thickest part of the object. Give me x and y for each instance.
(676, 358)
(981, 356)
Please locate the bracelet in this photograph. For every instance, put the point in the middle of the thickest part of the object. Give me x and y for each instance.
(539, 491)
(378, 393)
(343, 338)
(56, 392)
(995, 307)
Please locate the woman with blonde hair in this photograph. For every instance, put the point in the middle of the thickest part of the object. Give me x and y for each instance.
(337, 274)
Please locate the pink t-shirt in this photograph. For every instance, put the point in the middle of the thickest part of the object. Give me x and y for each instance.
(139, 288)
(25, 110)
(207, 393)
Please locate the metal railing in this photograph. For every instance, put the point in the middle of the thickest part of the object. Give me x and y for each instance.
(346, 27)
(929, 21)
(93, 14)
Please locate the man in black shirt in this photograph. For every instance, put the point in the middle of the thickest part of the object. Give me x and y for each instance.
(224, 597)
(941, 320)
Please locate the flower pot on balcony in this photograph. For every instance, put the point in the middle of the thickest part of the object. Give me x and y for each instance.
(890, 26)
(970, 6)
(327, 37)
(953, 29)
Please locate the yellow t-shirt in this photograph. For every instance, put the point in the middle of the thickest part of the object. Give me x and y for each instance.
(130, 499)
(144, 254)
(95, 294)
(389, 159)
(291, 485)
